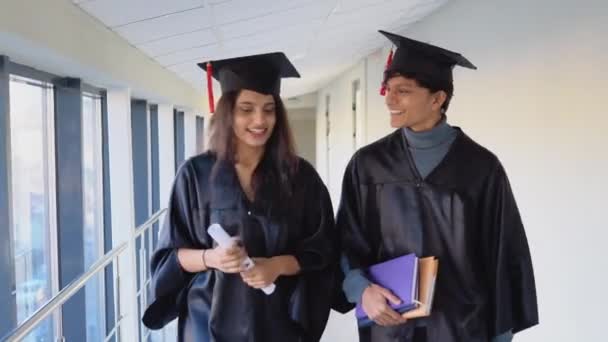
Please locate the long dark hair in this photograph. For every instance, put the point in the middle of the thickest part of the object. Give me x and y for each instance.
(279, 162)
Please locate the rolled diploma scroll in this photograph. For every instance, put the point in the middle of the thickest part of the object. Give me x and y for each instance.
(225, 241)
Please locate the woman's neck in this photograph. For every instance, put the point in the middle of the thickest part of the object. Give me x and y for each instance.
(248, 157)
(247, 160)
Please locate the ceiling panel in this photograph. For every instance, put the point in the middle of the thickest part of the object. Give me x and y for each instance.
(166, 26)
(299, 33)
(358, 5)
(388, 13)
(321, 37)
(190, 56)
(179, 43)
(304, 14)
(234, 11)
(121, 12)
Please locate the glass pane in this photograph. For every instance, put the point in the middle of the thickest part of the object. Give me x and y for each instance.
(43, 333)
(31, 107)
(94, 309)
(93, 214)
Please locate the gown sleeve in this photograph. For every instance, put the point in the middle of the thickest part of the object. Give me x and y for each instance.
(318, 255)
(169, 280)
(508, 265)
(356, 240)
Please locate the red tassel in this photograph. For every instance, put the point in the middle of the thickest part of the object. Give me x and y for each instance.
(210, 88)
(389, 61)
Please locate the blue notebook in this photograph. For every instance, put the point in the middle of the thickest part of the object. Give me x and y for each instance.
(399, 275)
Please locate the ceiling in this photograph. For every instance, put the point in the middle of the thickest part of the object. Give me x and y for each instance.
(321, 37)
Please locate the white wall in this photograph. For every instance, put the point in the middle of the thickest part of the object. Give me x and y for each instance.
(303, 126)
(189, 134)
(537, 101)
(341, 127)
(166, 152)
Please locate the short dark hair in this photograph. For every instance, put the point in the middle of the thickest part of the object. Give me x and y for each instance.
(433, 84)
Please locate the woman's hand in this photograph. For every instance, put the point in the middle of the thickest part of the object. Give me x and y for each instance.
(227, 260)
(263, 273)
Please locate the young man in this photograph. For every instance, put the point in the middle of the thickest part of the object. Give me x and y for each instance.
(431, 190)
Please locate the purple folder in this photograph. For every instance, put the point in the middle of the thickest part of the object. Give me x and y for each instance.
(400, 275)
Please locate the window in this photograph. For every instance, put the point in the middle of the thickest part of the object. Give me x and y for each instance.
(32, 189)
(92, 181)
(178, 134)
(200, 135)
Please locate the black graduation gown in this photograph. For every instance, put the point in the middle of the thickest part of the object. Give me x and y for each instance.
(465, 214)
(215, 307)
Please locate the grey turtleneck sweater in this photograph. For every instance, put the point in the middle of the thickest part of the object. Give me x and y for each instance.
(428, 148)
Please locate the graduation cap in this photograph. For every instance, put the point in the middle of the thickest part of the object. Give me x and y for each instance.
(260, 73)
(417, 57)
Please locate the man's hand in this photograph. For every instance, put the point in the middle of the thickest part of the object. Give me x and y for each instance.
(374, 302)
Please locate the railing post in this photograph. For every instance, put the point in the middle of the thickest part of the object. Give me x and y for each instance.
(116, 288)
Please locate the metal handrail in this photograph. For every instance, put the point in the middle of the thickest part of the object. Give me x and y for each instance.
(64, 295)
(140, 230)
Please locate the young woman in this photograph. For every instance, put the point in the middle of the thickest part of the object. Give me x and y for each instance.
(253, 184)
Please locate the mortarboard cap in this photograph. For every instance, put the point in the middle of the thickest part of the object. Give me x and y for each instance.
(432, 61)
(260, 73)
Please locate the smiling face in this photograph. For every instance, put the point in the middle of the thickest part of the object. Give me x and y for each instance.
(411, 105)
(254, 118)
